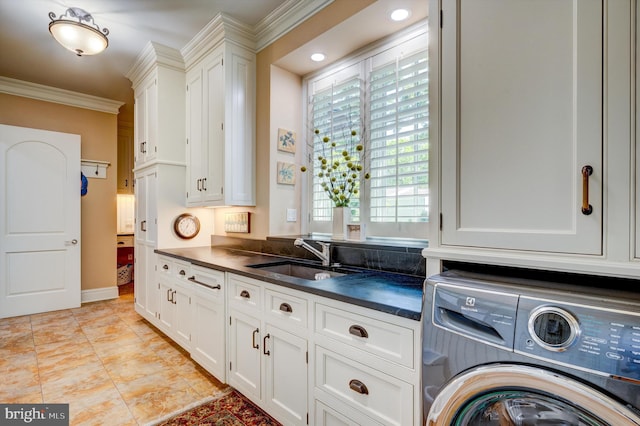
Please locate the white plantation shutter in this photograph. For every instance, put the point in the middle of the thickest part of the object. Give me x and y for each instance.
(398, 102)
(383, 95)
(336, 110)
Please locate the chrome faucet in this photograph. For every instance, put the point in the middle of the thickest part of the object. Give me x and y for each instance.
(325, 255)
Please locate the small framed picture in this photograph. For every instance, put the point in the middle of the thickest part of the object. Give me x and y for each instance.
(286, 140)
(286, 173)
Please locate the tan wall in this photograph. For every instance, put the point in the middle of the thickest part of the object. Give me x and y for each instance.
(322, 21)
(98, 133)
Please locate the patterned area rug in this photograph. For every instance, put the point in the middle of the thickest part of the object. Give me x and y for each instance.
(232, 409)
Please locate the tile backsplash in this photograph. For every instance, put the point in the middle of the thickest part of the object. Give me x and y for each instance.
(371, 255)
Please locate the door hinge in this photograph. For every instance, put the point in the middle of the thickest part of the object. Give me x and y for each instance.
(307, 356)
(187, 141)
(441, 221)
(441, 18)
(189, 299)
(229, 365)
(222, 62)
(307, 418)
(222, 189)
(229, 320)
(222, 126)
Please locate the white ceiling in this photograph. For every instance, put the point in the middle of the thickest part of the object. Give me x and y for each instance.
(29, 53)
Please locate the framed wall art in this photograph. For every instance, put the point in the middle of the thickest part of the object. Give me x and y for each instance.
(286, 173)
(286, 140)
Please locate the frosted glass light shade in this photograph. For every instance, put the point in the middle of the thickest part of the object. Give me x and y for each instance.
(79, 38)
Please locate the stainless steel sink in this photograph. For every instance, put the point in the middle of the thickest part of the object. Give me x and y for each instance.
(301, 270)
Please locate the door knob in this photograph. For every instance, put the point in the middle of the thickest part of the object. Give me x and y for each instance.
(71, 243)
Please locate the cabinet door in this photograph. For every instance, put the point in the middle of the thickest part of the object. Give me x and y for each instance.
(151, 145)
(637, 162)
(167, 311)
(125, 164)
(140, 286)
(195, 110)
(140, 210)
(182, 319)
(213, 151)
(244, 354)
(140, 131)
(240, 113)
(151, 225)
(208, 338)
(285, 375)
(521, 106)
(151, 286)
(146, 208)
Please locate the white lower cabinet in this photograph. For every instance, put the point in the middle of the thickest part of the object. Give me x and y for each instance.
(245, 372)
(304, 359)
(268, 351)
(366, 366)
(175, 302)
(285, 356)
(208, 341)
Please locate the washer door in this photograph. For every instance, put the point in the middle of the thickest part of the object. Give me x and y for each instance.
(514, 395)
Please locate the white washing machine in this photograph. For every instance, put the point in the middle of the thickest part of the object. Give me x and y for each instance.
(514, 352)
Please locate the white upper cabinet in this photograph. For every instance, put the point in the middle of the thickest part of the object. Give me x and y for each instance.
(637, 145)
(221, 73)
(158, 82)
(521, 110)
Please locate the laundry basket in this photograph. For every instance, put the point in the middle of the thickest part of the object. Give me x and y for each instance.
(124, 274)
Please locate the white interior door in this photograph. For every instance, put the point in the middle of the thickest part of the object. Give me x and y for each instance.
(39, 221)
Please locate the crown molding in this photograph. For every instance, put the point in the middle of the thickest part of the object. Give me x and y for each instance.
(284, 18)
(154, 54)
(221, 28)
(60, 96)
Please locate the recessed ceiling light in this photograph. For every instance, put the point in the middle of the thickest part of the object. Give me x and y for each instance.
(399, 14)
(318, 57)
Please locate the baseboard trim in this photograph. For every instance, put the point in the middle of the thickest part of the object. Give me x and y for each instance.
(96, 294)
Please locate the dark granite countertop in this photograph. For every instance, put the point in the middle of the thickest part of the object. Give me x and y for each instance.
(391, 293)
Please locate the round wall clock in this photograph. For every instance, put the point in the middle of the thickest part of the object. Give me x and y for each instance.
(186, 226)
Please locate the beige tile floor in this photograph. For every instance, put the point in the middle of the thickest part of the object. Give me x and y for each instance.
(109, 364)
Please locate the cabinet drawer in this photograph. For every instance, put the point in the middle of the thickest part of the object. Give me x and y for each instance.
(165, 267)
(384, 398)
(125, 241)
(289, 309)
(181, 270)
(327, 416)
(389, 341)
(244, 294)
(209, 282)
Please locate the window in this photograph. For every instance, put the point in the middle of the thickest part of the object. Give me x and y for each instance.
(382, 95)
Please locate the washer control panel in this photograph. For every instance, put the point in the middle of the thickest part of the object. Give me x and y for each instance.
(587, 337)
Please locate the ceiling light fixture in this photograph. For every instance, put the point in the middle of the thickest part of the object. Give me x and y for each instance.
(399, 14)
(72, 30)
(318, 57)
